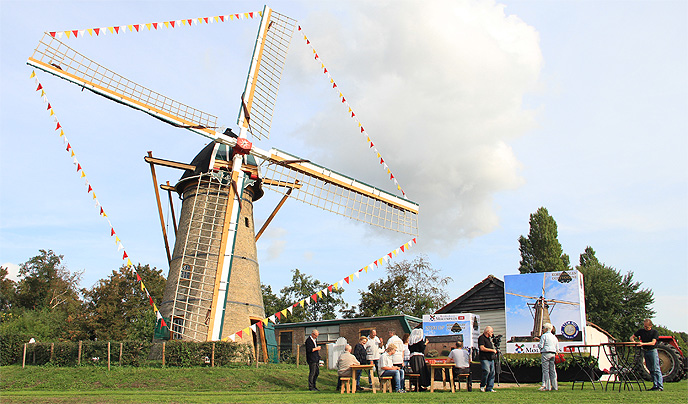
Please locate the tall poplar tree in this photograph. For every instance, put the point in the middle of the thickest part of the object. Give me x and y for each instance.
(541, 251)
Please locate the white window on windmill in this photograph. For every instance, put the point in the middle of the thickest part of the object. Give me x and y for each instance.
(177, 327)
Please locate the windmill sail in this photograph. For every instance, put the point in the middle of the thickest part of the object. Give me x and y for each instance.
(55, 57)
(265, 72)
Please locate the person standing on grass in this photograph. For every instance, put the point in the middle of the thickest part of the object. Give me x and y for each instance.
(648, 338)
(486, 356)
(394, 339)
(362, 357)
(373, 351)
(313, 359)
(549, 345)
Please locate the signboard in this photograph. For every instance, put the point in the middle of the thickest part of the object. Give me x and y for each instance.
(452, 327)
(546, 297)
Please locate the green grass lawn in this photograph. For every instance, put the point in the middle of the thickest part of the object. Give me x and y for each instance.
(265, 384)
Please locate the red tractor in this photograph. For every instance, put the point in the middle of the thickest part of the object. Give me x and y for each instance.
(672, 361)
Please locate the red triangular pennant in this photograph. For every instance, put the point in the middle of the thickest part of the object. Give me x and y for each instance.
(382, 161)
(78, 167)
(334, 85)
(414, 240)
(391, 176)
(343, 99)
(316, 55)
(52, 34)
(239, 333)
(112, 231)
(137, 27)
(117, 30)
(390, 255)
(295, 304)
(299, 28)
(308, 42)
(205, 19)
(69, 146)
(172, 22)
(353, 115)
(40, 87)
(75, 32)
(189, 21)
(362, 130)
(162, 322)
(402, 248)
(251, 14)
(314, 296)
(155, 25)
(278, 315)
(150, 300)
(329, 288)
(138, 277)
(260, 324)
(49, 106)
(371, 144)
(346, 279)
(237, 16)
(125, 256)
(97, 31)
(89, 189)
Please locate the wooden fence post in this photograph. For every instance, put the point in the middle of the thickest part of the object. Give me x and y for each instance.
(212, 357)
(121, 346)
(298, 348)
(79, 359)
(108, 355)
(52, 351)
(24, 357)
(163, 354)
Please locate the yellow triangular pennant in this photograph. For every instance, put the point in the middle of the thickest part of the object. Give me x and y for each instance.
(33, 74)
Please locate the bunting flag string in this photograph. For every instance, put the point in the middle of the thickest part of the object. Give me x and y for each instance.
(282, 314)
(353, 116)
(153, 26)
(98, 205)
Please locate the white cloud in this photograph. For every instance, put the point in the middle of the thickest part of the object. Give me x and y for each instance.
(12, 271)
(439, 89)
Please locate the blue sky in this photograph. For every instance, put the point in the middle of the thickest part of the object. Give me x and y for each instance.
(484, 111)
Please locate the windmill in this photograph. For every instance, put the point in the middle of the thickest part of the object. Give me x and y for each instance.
(541, 308)
(213, 285)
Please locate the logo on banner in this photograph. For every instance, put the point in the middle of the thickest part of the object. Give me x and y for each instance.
(520, 348)
(569, 330)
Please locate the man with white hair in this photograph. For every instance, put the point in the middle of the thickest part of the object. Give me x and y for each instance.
(486, 356)
(346, 359)
(549, 345)
(313, 359)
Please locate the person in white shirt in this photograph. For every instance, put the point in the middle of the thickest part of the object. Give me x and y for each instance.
(394, 339)
(462, 362)
(373, 351)
(549, 345)
(387, 368)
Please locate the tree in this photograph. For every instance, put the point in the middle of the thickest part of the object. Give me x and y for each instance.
(414, 288)
(541, 251)
(7, 290)
(612, 300)
(117, 307)
(46, 283)
(303, 286)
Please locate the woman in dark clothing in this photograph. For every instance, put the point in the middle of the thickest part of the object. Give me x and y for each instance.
(360, 354)
(417, 348)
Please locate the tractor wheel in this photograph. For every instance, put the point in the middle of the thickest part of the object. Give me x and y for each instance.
(670, 363)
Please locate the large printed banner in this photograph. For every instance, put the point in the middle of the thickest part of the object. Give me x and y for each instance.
(546, 297)
(464, 327)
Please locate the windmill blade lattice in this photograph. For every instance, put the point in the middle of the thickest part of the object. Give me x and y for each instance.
(337, 193)
(55, 57)
(265, 73)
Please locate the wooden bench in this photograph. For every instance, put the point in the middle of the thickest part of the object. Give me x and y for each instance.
(386, 383)
(467, 378)
(346, 384)
(414, 380)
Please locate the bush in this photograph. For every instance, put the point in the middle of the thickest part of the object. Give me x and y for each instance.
(12, 347)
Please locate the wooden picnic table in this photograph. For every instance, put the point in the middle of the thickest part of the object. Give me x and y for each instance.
(443, 366)
(354, 368)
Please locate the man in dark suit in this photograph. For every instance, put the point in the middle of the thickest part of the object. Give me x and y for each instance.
(313, 359)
